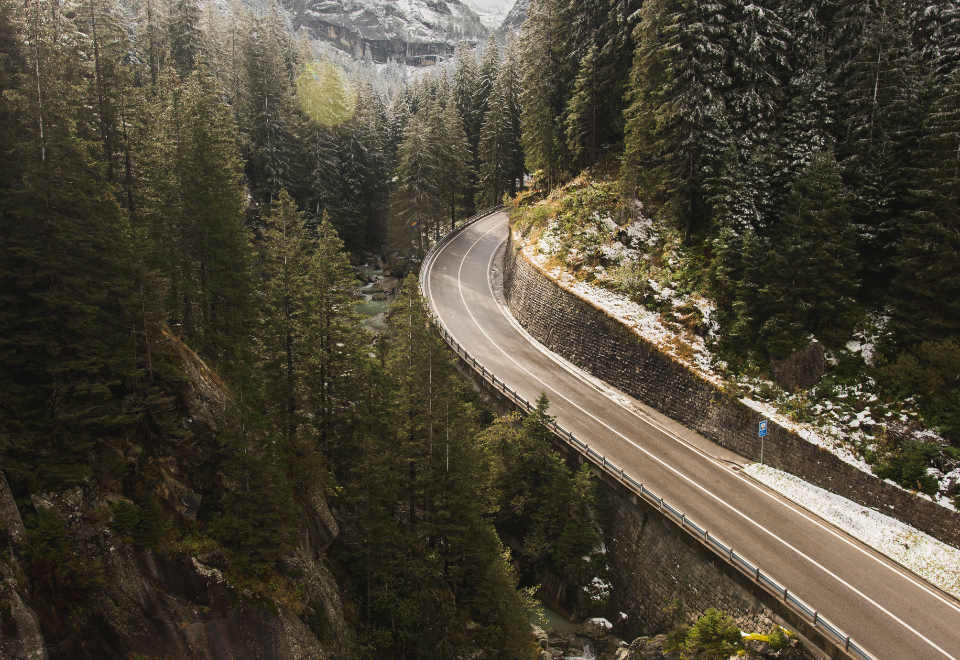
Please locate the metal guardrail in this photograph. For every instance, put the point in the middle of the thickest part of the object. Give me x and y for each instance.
(701, 534)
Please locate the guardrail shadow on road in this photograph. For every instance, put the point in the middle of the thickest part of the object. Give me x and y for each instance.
(828, 631)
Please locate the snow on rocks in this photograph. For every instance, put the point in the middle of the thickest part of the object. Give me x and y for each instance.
(936, 562)
(600, 622)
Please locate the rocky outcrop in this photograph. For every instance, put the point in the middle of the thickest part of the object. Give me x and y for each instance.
(20, 635)
(170, 603)
(801, 370)
(182, 606)
(418, 32)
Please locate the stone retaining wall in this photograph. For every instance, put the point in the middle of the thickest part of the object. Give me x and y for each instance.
(652, 570)
(595, 341)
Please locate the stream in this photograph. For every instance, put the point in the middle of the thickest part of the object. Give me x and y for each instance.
(373, 311)
(577, 647)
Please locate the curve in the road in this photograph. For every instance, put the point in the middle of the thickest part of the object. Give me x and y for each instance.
(876, 601)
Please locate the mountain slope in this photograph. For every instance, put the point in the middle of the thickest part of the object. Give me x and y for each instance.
(415, 31)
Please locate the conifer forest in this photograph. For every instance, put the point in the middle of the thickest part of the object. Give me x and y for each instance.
(188, 186)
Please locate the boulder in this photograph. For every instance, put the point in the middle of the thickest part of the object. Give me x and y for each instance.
(388, 283)
(651, 648)
(801, 370)
(203, 394)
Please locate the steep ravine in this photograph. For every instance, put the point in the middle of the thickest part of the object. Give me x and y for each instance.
(170, 604)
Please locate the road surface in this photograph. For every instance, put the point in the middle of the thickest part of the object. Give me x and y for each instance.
(886, 609)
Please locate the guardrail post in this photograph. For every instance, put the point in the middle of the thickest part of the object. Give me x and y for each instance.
(784, 594)
(758, 574)
(731, 555)
(815, 615)
(846, 644)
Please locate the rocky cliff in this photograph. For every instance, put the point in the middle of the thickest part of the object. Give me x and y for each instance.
(417, 32)
(173, 600)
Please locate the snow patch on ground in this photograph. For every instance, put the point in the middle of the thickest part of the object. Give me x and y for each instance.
(936, 562)
(845, 422)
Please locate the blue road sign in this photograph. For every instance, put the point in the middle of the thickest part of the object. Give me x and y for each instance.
(763, 428)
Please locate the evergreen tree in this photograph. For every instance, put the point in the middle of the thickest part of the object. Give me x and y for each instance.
(416, 204)
(677, 127)
(258, 524)
(454, 157)
(267, 117)
(184, 36)
(149, 526)
(285, 265)
(218, 244)
(583, 119)
(332, 372)
(497, 149)
(879, 112)
(542, 100)
(812, 270)
(928, 281)
(66, 356)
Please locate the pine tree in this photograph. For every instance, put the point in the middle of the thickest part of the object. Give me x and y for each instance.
(879, 115)
(454, 158)
(184, 36)
(416, 204)
(332, 371)
(267, 118)
(496, 149)
(258, 523)
(218, 247)
(678, 131)
(542, 100)
(927, 287)
(812, 271)
(149, 526)
(583, 118)
(65, 348)
(284, 266)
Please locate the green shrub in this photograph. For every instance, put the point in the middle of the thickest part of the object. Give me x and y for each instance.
(57, 576)
(125, 518)
(908, 465)
(777, 639)
(715, 636)
(149, 528)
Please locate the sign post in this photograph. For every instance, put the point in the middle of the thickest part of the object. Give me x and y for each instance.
(763, 433)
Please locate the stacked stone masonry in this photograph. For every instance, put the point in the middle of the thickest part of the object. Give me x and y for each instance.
(600, 344)
(653, 570)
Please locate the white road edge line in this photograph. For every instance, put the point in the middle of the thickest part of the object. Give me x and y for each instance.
(604, 389)
(669, 467)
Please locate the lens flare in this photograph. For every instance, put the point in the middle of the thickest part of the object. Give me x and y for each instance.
(325, 94)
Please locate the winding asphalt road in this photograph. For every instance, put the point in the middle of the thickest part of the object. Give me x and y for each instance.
(888, 610)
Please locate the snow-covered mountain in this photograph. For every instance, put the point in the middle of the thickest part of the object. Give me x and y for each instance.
(515, 18)
(491, 14)
(418, 32)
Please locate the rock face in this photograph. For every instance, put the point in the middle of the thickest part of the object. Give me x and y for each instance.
(802, 370)
(417, 32)
(515, 18)
(172, 604)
